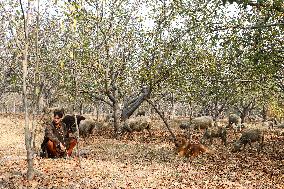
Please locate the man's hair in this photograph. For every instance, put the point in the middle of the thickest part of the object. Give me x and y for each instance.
(59, 112)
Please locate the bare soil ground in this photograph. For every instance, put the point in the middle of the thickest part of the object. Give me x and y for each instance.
(140, 162)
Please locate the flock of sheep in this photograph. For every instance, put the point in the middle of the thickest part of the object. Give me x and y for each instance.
(205, 124)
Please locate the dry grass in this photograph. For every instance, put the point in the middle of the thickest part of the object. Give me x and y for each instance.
(140, 163)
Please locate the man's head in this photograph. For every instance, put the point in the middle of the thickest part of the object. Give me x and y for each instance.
(57, 116)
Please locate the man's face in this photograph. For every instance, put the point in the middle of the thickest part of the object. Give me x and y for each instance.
(56, 119)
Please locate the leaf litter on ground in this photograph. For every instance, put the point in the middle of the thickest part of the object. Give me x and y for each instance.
(135, 163)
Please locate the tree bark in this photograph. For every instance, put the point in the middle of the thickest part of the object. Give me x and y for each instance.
(173, 107)
(28, 135)
(218, 109)
(246, 109)
(36, 94)
(115, 114)
(74, 107)
(264, 112)
(133, 104)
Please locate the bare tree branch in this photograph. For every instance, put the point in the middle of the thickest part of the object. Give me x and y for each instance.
(164, 120)
(247, 27)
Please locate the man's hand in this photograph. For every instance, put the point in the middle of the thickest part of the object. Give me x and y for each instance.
(62, 147)
(72, 135)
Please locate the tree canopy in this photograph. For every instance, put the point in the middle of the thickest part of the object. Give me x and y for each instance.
(213, 53)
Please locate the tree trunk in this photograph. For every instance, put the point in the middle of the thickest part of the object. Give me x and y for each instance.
(264, 112)
(14, 106)
(133, 104)
(244, 114)
(36, 94)
(218, 109)
(75, 70)
(115, 114)
(245, 110)
(173, 107)
(190, 110)
(215, 114)
(28, 135)
(96, 111)
(81, 109)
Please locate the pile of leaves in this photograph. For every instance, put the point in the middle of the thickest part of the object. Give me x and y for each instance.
(139, 162)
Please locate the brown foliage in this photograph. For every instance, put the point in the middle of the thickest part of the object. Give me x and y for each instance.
(112, 163)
